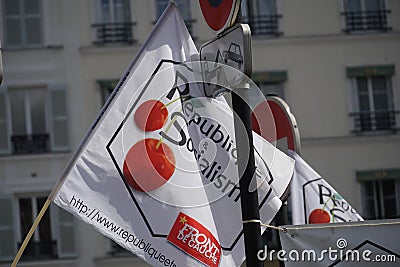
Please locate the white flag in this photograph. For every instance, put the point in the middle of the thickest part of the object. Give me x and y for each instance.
(141, 179)
(351, 244)
(314, 200)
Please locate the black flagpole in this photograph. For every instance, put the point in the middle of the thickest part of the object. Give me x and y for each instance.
(246, 166)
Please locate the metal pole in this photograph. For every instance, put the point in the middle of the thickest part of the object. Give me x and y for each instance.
(1, 65)
(246, 166)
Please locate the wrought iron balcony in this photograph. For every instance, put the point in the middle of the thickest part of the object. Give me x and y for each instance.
(40, 250)
(374, 20)
(30, 144)
(118, 32)
(263, 25)
(367, 121)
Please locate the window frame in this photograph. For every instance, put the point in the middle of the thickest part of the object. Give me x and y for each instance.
(22, 18)
(98, 12)
(253, 18)
(115, 31)
(375, 118)
(28, 108)
(49, 119)
(370, 93)
(35, 211)
(28, 116)
(379, 198)
(62, 228)
(362, 20)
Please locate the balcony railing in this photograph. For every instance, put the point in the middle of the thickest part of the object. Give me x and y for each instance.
(30, 144)
(367, 121)
(40, 250)
(118, 32)
(263, 25)
(374, 20)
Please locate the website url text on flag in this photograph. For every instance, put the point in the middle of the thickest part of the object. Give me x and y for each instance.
(95, 215)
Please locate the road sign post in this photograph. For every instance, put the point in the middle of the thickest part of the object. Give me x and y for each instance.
(246, 165)
(232, 47)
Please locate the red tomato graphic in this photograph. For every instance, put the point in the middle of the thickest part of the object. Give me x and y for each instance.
(147, 167)
(151, 115)
(319, 216)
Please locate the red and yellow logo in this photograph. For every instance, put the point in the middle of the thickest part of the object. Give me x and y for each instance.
(194, 239)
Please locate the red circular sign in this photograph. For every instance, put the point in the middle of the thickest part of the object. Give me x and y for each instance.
(219, 14)
(281, 124)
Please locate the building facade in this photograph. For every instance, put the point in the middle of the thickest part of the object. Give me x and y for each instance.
(336, 63)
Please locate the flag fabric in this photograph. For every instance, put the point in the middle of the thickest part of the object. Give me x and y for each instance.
(314, 200)
(367, 243)
(159, 176)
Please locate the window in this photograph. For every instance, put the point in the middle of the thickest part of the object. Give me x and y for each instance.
(22, 23)
(42, 245)
(184, 8)
(365, 15)
(54, 237)
(29, 134)
(33, 120)
(373, 99)
(270, 83)
(381, 194)
(113, 22)
(106, 87)
(262, 16)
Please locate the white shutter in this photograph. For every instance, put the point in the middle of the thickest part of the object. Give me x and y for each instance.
(66, 239)
(4, 137)
(58, 118)
(8, 245)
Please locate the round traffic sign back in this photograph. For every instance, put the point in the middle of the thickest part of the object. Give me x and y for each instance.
(281, 124)
(219, 14)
